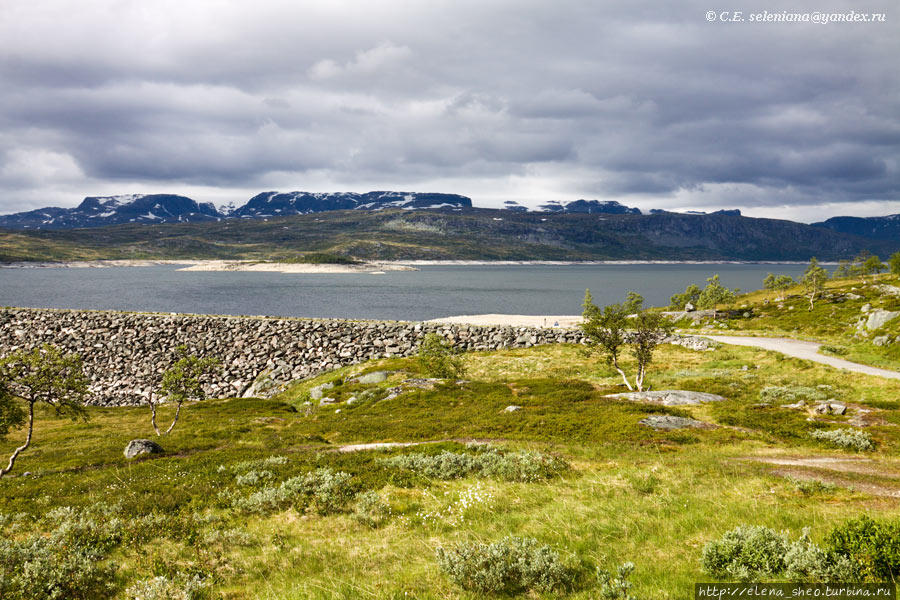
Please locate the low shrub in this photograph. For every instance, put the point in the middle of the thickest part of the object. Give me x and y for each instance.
(484, 462)
(326, 490)
(616, 587)
(371, 510)
(752, 553)
(437, 358)
(852, 439)
(746, 553)
(253, 477)
(179, 587)
(874, 546)
(793, 393)
(68, 563)
(509, 566)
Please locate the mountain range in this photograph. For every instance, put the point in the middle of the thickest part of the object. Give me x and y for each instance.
(100, 211)
(407, 226)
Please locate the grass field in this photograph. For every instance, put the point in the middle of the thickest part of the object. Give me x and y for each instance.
(630, 493)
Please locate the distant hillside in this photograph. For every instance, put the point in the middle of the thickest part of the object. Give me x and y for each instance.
(879, 228)
(472, 234)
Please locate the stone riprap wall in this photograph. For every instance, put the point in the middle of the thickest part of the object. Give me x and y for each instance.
(125, 353)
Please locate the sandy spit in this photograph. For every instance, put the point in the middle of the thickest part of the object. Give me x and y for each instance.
(221, 265)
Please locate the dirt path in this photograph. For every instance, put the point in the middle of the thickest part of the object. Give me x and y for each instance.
(804, 350)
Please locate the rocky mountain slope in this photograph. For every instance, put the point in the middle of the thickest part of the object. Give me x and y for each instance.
(879, 228)
(467, 234)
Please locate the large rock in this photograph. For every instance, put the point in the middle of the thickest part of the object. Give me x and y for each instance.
(138, 447)
(879, 317)
(671, 422)
(669, 397)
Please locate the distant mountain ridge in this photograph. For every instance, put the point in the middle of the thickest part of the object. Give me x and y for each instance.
(877, 228)
(98, 211)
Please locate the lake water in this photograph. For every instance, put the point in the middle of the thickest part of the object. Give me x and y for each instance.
(431, 292)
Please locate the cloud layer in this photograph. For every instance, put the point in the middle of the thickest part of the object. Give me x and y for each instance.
(647, 103)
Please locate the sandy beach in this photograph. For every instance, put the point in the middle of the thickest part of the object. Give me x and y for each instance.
(275, 267)
(562, 321)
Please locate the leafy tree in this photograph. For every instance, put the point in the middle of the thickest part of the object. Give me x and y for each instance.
(182, 383)
(778, 282)
(438, 358)
(715, 293)
(872, 265)
(844, 269)
(634, 303)
(813, 280)
(605, 331)
(42, 375)
(690, 295)
(894, 263)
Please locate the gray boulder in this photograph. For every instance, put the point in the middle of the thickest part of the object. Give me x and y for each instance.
(878, 318)
(138, 447)
(372, 378)
(317, 392)
(881, 340)
(669, 397)
(670, 422)
(512, 408)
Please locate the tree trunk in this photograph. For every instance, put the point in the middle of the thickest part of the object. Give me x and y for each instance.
(175, 420)
(812, 297)
(23, 447)
(153, 413)
(639, 378)
(622, 373)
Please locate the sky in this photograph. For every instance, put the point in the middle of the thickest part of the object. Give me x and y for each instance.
(694, 105)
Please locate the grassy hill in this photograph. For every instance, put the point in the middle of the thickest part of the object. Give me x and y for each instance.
(470, 234)
(603, 489)
(837, 319)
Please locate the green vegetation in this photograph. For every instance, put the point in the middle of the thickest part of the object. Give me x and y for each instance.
(709, 297)
(813, 281)
(778, 282)
(254, 500)
(874, 545)
(437, 358)
(44, 375)
(182, 383)
(850, 438)
(608, 329)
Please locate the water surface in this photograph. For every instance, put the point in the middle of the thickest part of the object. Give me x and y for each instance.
(431, 292)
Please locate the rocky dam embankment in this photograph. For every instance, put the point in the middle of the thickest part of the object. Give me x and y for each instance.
(125, 354)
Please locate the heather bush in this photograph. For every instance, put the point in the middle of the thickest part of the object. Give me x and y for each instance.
(509, 566)
(485, 462)
(852, 439)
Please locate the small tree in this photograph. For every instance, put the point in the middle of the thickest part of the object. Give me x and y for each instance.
(438, 358)
(872, 265)
(181, 383)
(715, 293)
(691, 295)
(894, 263)
(605, 332)
(778, 282)
(42, 375)
(813, 280)
(844, 269)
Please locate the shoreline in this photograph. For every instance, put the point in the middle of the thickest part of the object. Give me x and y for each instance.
(374, 267)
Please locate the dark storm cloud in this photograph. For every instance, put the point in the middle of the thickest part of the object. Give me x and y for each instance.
(639, 102)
